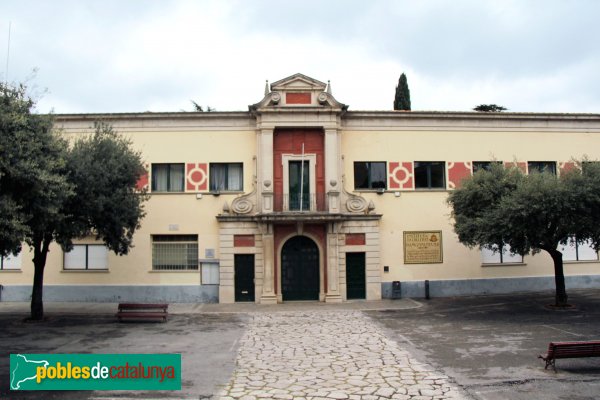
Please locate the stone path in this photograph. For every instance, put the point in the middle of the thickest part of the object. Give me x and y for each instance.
(328, 355)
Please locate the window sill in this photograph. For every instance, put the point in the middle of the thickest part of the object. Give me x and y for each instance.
(581, 262)
(10, 270)
(77, 271)
(170, 271)
(521, 264)
(204, 193)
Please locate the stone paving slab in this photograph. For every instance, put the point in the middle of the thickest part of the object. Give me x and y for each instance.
(329, 355)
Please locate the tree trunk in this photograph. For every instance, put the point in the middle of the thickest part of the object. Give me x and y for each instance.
(40, 252)
(559, 278)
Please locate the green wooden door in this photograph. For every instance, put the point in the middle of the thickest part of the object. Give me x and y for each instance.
(244, 277)
(355, 276)
(300, 269)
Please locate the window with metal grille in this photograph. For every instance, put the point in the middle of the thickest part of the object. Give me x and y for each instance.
(174, 252)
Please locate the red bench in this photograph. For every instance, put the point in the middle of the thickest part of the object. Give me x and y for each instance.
(569, 350)
(142, 312)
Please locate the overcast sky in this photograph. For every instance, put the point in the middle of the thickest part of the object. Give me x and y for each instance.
(135, 56)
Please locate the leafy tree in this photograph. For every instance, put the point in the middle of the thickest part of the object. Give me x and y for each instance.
(489, 108)
(529, 213)
(402, 99)
(50, 191)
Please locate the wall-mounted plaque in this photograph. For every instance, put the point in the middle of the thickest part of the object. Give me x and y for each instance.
(423, 247)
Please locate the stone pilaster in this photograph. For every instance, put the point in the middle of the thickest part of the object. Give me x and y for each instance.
(332, 169)
(265, 169)
(268, 293)
(333, 275)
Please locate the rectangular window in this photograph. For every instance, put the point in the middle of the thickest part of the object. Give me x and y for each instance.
(573, 251)
(167, 177)
(369, 175)
(226, 177)
(174, 252)
(86, 256)
(430, 174)
(484, 165)
(10, 262)
(210, 273)
(541, 166)
(496, 257)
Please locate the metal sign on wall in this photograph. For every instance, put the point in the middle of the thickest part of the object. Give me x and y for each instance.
(423, 247)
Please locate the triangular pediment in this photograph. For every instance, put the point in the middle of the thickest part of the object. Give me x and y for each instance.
(297, 92)
(298, 82)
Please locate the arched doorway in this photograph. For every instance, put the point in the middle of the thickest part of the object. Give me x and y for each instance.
(300, 269)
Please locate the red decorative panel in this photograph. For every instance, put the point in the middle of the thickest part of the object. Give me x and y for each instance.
(289, 141)
(566, 166)
(400, 175)
(243, 240)
(520, 164)
(142, 182)
(355, 239)
(297, 98)
(457, 171)
(196, 176)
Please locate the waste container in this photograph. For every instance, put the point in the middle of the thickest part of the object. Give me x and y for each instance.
(396, 290)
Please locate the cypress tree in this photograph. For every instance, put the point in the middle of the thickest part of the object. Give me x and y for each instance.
(402, 100)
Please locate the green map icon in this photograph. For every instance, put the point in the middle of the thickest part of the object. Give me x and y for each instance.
(23, 370)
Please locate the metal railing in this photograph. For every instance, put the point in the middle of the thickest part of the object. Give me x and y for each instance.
(308, 202)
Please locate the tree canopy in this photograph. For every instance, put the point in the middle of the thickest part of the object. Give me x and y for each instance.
(51, 190)
(489, 108)
(502, 206)
(402, 99)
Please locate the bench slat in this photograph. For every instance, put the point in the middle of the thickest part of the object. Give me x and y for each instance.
(142, 311)
(557, 350)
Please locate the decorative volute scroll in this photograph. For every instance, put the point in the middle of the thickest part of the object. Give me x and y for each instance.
(354, 204)
(245, 203)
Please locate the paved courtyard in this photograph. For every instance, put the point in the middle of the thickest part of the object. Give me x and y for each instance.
(482, 348)
(328, 355)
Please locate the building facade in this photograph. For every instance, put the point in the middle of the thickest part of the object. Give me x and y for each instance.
(300, 198)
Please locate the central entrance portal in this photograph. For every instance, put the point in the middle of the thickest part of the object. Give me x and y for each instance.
(300, 269)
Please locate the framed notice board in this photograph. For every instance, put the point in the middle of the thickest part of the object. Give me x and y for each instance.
(423, 247)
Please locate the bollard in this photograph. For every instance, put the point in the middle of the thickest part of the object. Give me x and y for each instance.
(427, 289)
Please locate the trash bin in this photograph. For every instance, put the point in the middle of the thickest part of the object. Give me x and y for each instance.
(396, 290)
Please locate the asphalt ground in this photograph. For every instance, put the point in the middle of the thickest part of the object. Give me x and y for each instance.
(488, 345)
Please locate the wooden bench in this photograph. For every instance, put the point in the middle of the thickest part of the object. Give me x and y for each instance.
(570, 350)
(142, 312)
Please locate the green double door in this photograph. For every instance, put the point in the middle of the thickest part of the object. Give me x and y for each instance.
(300, 269)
